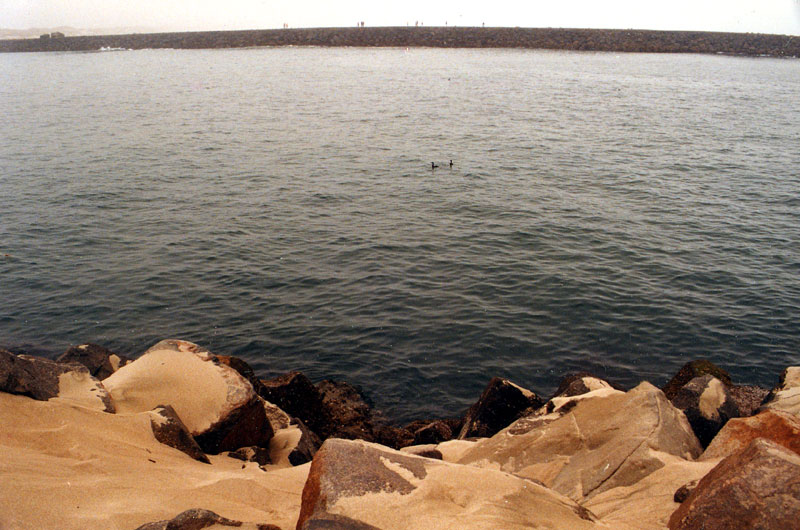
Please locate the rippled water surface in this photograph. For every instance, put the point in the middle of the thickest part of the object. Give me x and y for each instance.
(621, 214)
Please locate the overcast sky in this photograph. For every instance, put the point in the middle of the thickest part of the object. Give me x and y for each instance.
(763, 16)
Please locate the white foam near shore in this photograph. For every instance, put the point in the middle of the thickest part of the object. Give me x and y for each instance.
(68, 466)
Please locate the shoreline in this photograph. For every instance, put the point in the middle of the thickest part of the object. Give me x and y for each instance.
(597, 40)
(182, 438)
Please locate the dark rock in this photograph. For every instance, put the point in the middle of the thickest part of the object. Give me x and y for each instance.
(581, 383)
(197, 519)
(100, 361)
(691, 370)
(244, 370)
(297, 396)
(499, 405)
(306, 447)
(777, 426)
(707, 404)
(682, 493)
(246, 426)
(39, 378)
(433, 433)
(758, 487)
(170, 430)
(259, 455)
(747, 398)
(346, 413)
(394, 437)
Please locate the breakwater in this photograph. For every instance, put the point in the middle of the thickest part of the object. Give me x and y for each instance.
(748, 44)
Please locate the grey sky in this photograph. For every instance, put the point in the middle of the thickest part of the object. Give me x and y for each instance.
(763, 16)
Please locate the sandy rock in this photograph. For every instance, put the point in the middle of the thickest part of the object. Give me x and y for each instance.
(43, 379)
(786, 396)
(294, 445)
(100, 361)
(756, 488)
(600, 444)
(500, 404)
(197, 519)
(277, 418)
(244, 369)
(425, 451)
(707, 404)
(355, 484)
(691, 370)
(73, 468)
(170, 430)
(778, 426)
(453, 450)
(217, 405)
(649, 503)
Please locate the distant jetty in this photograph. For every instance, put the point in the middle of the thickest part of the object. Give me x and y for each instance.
(642, 41)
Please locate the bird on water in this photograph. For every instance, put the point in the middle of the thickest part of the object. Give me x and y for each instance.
(451, 164)
(433, 165)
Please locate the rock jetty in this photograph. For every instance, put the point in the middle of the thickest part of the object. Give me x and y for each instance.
(647, 41)
(181, 438)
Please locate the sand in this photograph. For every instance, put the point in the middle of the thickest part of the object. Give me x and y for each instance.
(68, 466)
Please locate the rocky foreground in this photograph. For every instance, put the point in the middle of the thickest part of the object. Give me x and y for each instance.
(183, 439)
(612, 40)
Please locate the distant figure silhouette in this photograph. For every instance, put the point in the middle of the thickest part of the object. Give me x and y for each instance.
(433, 166)
(451, 164)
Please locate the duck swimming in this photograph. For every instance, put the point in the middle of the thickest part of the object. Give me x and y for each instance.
(433, 166)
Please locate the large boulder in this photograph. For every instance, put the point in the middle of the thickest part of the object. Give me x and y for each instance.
(499, 405)
(101, 362)
(359, 485)
(778, 426)
(598, 445)
(649, 503)
(707, 404)
(43, 379)
(786, 395)
(758, 487)
(218, 406)
(197, 519)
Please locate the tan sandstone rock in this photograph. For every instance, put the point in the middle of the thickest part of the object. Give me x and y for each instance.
(218, 405)
(600, 444)
(647, 504)
(777, 425)
(360, 485)
(786, 396)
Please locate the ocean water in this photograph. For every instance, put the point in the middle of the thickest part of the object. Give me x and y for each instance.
(616, 213)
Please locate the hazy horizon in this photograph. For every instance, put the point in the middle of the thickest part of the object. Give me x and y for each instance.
(741, 16)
